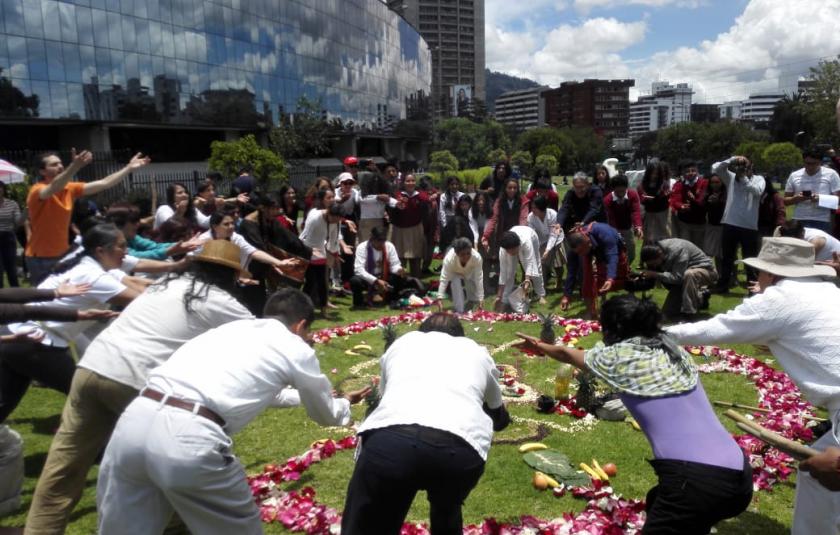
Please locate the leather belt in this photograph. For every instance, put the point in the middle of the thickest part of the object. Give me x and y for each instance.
(178, 403)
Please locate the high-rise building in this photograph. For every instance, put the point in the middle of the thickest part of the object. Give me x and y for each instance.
(759, 108)
(666, 105)
(454, 30)
(603, 105)
(705, 113)
(521, 109)
(730, 110)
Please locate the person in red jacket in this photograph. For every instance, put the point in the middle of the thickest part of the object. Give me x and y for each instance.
(687, 201)
(408, 236)
(624, 213)
(510, 209)
(771, 210)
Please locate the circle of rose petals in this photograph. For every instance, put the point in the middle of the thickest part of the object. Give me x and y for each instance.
(605, 511)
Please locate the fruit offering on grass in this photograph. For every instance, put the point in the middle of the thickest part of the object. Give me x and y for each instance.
(542, 481)
(600, 471)
(532, 446)
(547, 333)
(610, 469)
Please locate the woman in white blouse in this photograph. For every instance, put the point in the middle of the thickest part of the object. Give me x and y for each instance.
(320, 232)
(222, 228)
(178, 203)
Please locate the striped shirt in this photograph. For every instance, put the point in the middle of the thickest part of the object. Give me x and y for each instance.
(9, 215)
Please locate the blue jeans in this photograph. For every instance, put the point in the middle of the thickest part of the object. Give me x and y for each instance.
(39, 268)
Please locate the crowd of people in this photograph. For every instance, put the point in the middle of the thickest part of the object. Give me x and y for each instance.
(202, 277)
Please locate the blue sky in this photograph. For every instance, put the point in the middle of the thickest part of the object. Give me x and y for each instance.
(726, 49)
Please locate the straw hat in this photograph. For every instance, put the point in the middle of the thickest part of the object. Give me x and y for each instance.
(788, 257)
(221, 252)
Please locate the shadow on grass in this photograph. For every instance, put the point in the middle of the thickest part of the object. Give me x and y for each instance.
(44, 425)
(34, 463)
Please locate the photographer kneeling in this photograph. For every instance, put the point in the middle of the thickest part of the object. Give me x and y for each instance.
(684, 270)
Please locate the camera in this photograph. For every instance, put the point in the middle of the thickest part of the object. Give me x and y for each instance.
(739, 168)
(636, 283)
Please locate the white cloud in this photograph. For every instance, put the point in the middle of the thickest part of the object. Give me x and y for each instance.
(585, 6)
(771, 40)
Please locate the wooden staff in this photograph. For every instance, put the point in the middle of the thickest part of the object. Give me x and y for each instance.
(759, 409)
(794, 449)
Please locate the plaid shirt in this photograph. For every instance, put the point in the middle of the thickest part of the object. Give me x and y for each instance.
(635, 366)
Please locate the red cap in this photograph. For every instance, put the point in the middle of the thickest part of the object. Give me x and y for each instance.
(351, 160)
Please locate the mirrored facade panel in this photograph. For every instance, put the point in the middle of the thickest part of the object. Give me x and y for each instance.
(216, 62)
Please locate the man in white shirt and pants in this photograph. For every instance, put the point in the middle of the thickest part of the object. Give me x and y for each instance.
(462, 268)
(519, 245)
(171, 448)
(431, 431)
(797, 315)
(804, 188)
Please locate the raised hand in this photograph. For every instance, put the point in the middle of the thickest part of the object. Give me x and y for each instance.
(138, 161)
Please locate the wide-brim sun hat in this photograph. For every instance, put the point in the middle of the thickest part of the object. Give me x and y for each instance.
(788, 257)
(223, 253)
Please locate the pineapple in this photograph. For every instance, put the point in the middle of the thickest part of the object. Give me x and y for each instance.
(586, 396)
(547, 334)
(389, 334)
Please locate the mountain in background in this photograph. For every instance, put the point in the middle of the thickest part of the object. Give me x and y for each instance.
(498, 83)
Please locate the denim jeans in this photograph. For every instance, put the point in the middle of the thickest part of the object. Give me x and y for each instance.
(39, 268)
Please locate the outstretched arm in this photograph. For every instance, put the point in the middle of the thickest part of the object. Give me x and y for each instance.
(138, 161)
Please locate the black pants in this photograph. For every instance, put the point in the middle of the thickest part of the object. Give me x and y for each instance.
(8, 258)
(315, 284)
(733, 237)
(21, 362)
(395, 463)
(692, 497)
(360, 285)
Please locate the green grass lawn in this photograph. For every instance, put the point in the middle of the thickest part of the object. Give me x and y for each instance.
(504, 491)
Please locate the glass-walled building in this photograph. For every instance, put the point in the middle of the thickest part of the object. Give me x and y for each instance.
(223, 64)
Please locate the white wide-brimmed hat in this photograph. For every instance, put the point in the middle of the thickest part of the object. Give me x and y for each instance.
(788, 257)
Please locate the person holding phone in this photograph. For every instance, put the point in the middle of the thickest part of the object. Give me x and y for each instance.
(804, 187)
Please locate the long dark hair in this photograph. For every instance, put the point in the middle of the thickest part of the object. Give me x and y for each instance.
(488, 206)
(99, 235)
(217, 218)
(447, 199)
(517, 199)
(202, 276)
(189, 215)
(626, 316)
(295, 209)
(661, 172)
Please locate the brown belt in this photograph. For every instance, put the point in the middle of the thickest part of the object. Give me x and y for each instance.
(185, 405)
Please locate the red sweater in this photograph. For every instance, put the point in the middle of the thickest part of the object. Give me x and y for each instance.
(696, 212)
(415, 208)
(625, 215)
(499, 224)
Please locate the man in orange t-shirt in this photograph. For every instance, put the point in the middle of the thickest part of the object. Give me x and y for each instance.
(50, 204)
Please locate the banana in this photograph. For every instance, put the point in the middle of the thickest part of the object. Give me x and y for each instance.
(553, 483)
(600, 471)
(362, 347)
(634, 423)
(352, 353)
(532, 446)
(592, 473)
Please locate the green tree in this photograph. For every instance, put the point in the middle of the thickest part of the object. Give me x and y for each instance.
(819, 107)
(551, 150)
(705, 142)
(523, 160)
(228, 157)
(495, 156)
(789, 119)
(548, 162)
(754, 150)
(307, 135)
(588, 147)
(443, 162)
(468, 141)
(781, 158)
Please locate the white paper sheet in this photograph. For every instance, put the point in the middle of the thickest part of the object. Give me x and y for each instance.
(828, 201)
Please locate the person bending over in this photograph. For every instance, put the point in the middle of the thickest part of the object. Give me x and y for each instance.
(704, 477)
(440, 445)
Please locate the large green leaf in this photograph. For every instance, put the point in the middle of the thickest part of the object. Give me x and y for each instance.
(557, 465)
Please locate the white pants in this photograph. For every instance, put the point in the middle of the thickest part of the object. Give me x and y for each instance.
(161, 459)
(458, 285)
(816, 509)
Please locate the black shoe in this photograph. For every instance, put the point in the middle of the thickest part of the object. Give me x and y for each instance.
(706, 296)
